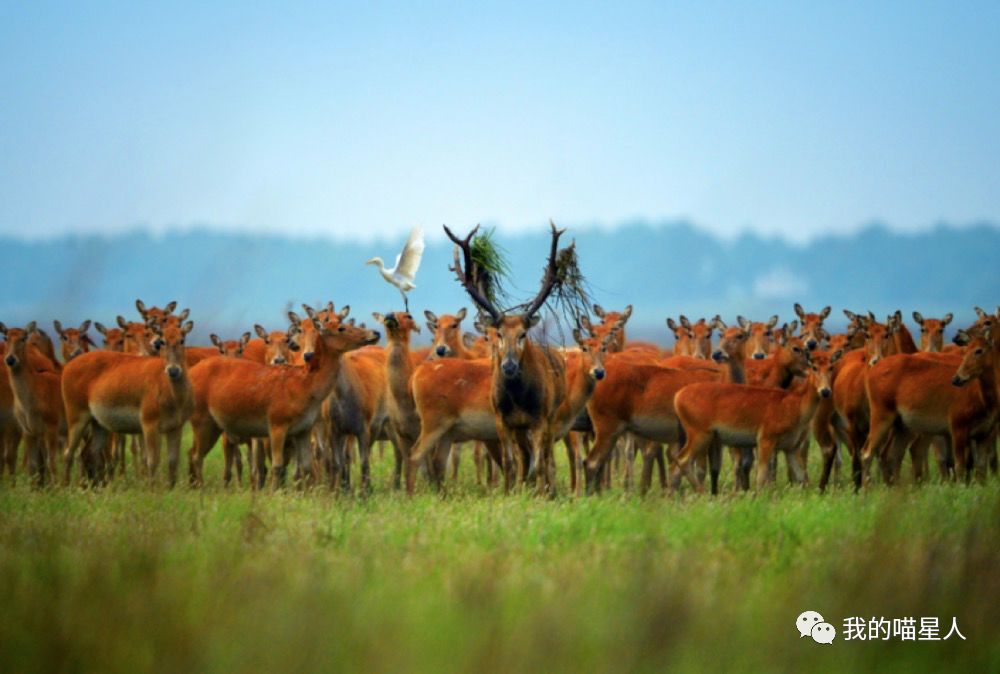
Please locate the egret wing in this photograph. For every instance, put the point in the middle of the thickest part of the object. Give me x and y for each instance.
(409, 260)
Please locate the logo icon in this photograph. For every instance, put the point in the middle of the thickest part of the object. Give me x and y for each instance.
(812, 624)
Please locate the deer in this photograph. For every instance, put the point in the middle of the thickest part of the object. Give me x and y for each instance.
(772, 419)
(154, 316)
(448, 342)
(271, 348)
(232, 348)
(527, 380)
(38, 405)
(913, 394)
(73, 341)
(638, 397)
(246, 399)
(812, 326)
(110, 392)
(682, 338)
(932, 331)
(762, 339)
(10, 430)
(114, 338)
(584, 369)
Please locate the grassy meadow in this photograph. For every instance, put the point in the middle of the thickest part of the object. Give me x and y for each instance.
(130, 579)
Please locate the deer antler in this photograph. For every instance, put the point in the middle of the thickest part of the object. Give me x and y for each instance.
(466, 273)
(550, 277)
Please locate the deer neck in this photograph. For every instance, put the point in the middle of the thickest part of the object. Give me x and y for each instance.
(807, 398)
(582, 387)
(737, 371)
(399, 368)
(904, 340)
(323, 376)
(22, 383)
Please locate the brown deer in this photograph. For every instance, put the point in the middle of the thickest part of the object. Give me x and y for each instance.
(246, 399)
(762, 338)
(271, 348)
(73, 341)
(124, 393)
(932, 331)
(922, 393)
(38, 406)
(772, 419)
(812, 326)
(528, 380)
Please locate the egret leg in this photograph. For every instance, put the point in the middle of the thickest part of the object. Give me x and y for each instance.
(406, 302)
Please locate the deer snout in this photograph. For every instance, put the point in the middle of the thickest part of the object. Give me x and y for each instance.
(307, 356)
(719, 356)
(759, 355)
(598, 373)
(278, 360)
(957, 380)
(811, 343)
(825, 392)
(873, 360)
(173, 371)
(441, 351)
(11, 360)
(509, 367)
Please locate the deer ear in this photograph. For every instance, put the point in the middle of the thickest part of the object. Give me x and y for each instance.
(261, 332)
(578, 336)
(961, 338)
(215, 340)
(30, 327)
(294, 319)
(773, 321)
(122, 323)
(100, 328)
(627, 313)
(461, 314)
(468, 340)
(980, 313)
(183, 315)
(850, 314)
(671, 324)
(479, 325)
(799, 311)
(431, 318)
(170, 307)
(744, 323)
(599, 310)
(187, 327)
(85, 326)
(826, 312)
(947, 319)
(141, 307)
(533, 320)
(245, 338)
(684, 321)
(836, 356)
(918, 317)
(58, 326)
(342, 314)
(378, 317)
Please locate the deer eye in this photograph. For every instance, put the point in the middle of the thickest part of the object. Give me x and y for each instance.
(341, 328)
(796, 349)
(979, 352)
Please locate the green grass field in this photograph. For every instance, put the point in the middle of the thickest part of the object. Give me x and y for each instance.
(128, 579)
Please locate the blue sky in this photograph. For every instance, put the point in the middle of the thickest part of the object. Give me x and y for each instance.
(362, 120)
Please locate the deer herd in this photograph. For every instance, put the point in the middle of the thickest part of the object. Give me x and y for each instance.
(320, 394)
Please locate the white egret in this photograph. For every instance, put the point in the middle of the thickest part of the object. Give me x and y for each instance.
(407, 263)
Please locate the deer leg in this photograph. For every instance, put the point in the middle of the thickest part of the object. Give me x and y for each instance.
(715, 464)
(76, 429)
(227, 454)
(745, 467)
(456, 459)
(151, 441)
(604, 440)
(426, 441)
(696, 444)
(765, 452)
(279, 465)
(879, 428)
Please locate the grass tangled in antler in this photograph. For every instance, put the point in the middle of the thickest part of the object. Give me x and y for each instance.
(490, 266)
(571, 298)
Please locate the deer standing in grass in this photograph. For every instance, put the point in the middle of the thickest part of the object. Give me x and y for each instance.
(124, 393)
(771, 419)
(911, 394)
(527, 380)
(38, 406)
(246, 399)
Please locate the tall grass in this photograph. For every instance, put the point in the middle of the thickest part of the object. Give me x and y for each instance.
(130, 578)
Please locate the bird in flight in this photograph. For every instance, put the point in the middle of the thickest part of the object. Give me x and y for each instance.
(407, 263)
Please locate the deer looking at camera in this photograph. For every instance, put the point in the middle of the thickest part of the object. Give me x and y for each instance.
(528, 380)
